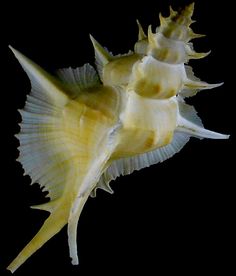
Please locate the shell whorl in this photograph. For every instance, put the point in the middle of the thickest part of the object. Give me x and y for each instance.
(156, 67)
(170, 43)
(177, 25)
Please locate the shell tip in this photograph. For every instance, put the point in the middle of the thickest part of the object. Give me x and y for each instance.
(14, 51)
(12, 270)
(141, 34)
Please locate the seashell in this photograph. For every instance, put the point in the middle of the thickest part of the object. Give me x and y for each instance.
(80, 129)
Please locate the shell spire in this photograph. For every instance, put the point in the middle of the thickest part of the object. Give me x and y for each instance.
(185, 15)
(171, 43)
(177, 25)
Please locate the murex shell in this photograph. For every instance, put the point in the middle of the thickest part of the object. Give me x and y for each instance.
(80, 129)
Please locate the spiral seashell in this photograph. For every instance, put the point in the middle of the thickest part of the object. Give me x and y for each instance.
(80, 129)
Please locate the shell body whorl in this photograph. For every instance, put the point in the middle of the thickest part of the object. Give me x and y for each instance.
(146, 124)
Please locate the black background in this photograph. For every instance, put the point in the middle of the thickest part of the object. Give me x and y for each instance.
(174, 217)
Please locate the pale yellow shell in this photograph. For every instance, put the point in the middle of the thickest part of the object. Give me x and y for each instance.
(78, 132)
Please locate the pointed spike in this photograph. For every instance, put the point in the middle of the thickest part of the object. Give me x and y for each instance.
(192, 22)
(162, 20)
(75, 212)
(102, 54)
(151, 37)
(43, 207)
(49, 206)
(38, 75)
(105, 186)
(189, 9)
(53, 224)
(26, 63)
(198, 131)
(141, 34)
(194, 55)
(193, 35)
(29, 66)
(172, 12)
(201, 85)
(191, 6)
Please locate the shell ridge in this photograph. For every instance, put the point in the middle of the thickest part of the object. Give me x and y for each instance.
(79, 79)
